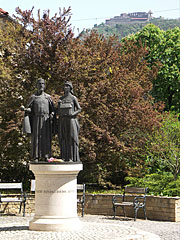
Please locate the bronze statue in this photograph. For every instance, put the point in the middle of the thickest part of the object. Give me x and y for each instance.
(38, 121)
(68, 126)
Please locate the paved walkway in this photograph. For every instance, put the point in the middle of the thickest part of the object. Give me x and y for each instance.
(94, 228)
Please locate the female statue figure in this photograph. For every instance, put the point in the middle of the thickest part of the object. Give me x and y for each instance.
(68, 126)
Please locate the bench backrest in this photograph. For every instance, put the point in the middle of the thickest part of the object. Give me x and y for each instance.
(81, 196)
(81, 187)
(135, 190)
(6, 186)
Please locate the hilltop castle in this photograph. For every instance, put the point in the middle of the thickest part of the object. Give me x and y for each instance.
(130, 18)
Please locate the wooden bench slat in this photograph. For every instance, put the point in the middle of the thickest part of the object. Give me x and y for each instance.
(124, 204)
(11, 199)
(80, 186)
(135, 190)
(10, 185)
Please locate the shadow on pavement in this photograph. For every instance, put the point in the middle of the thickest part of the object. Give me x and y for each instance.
(118, 218)
(14, 228)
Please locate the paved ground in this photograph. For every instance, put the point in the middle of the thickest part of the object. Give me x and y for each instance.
(165, 230)
(94, 228)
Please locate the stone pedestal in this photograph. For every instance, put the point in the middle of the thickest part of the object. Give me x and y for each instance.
(55, 196)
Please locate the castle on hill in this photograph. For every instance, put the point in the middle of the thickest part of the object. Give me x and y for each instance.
(130, 18)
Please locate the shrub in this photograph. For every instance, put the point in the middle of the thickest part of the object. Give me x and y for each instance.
(158, 184)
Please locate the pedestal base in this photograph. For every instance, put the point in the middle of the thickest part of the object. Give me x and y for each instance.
(55, 197)
(57, 225)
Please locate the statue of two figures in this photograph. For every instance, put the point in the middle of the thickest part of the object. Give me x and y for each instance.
(40, 122)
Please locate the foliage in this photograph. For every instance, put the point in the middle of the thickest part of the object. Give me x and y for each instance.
(162, 40)
(120, 30)
(158, 184)
(112, 83)
(117, 116)
(48, 43)
(163, 47)
(163, 148)
(13, 146)
(165, 24)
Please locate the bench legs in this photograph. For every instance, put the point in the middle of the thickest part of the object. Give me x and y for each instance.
(135, 213)
(124, 212)
(24, 207)
(114, 212)
(20, 207)
(82, 210)
(145, 213)
(136, 210)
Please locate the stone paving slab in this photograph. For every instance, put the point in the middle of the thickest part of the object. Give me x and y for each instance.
(17, 228)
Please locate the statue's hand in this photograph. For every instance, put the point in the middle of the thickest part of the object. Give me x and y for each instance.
(70, 115)
(27, 110)
(22, 108)
(74, 114)
(52, 115)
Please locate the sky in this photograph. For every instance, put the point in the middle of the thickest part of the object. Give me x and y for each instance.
(87, 13)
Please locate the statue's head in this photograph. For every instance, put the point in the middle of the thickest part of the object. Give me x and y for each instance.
(68, 85)
(40, 84)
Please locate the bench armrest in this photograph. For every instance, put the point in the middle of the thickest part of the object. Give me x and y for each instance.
(81, 197)
(139, 197)
(138, 202)
(114, 198)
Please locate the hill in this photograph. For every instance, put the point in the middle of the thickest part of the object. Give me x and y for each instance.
(122, 30)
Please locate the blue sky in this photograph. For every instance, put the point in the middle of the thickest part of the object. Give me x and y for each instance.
(87, 13)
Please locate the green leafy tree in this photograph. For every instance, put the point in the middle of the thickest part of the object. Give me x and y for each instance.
(167, 84)
(13, 146)
(163, 47)
(164, 146)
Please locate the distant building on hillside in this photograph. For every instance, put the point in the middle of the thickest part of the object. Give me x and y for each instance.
(130, 18)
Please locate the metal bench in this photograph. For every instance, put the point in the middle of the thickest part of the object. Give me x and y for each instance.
(7, 196)
(81, 198)
(138, 201)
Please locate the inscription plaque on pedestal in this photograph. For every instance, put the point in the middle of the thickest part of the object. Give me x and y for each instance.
(55, 197)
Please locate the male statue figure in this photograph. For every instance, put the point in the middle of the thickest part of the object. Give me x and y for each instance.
(40, 111)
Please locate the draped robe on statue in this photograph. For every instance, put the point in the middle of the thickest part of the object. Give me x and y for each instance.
(41, 125)
(68, 129)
